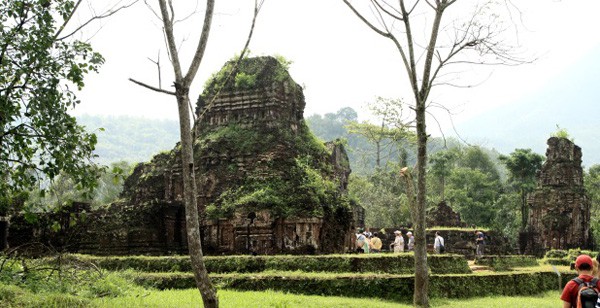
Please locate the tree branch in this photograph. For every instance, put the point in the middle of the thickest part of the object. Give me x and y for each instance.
(257, 8)
(151, 87)
(210, 5)
(106, 14)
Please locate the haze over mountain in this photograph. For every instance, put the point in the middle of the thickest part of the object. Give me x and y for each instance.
(571, 101)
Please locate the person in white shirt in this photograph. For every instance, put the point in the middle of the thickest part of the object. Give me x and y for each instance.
(438, 244)
(411, 241)
(398, 243)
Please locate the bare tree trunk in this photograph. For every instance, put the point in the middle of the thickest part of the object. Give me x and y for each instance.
(203, 283)
(182, 88)
(420, 296)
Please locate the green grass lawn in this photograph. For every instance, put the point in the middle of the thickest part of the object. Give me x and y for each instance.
(191, 298)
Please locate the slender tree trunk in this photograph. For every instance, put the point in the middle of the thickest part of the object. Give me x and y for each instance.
(524, 212)
(203, 283)
(378, 158)
(443, 193)
(420, 297)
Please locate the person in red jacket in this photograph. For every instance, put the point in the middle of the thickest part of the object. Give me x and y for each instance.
(584, 266)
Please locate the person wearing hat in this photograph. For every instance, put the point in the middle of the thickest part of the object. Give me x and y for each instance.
(411, 241)
(584, 266)
(360, 240)
(375, 243)
(398, 244)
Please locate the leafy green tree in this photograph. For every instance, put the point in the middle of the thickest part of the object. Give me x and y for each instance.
(592, 187)
(441, 165)
(474, 157)
(523, 165)
(429, 38)
(111, 183)
(391, 132)
(39, 70)
(62, 192)
(473, 193)
(382, 197)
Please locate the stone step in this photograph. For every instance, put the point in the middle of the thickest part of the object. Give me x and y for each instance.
(479, 268)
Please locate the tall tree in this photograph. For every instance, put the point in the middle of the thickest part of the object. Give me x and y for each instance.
(523, 165)
(441, 165)
(183, 81)
(592, 187)
(40, 67)
(475, 35)
(393, 127)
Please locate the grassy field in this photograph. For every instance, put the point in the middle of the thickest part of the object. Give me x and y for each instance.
(191, 298)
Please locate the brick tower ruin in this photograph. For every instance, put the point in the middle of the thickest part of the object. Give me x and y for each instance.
(559, 210)
(265, 183)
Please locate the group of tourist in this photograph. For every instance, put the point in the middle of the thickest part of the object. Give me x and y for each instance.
(367, 242)
(583, 290)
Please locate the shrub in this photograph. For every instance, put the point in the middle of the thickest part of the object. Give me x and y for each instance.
(503, 263)
(392, 287)
(375, 263)
(556, 253)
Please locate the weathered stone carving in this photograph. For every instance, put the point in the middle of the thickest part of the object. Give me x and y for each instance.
(559, 210)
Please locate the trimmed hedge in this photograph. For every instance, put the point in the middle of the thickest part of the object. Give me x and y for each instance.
(503, 263)
(557, 261)
(374, 263)
(391, 287)
(565, 257)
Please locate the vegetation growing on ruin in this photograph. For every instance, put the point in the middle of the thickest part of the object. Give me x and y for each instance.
(254, 72)
(295, 181)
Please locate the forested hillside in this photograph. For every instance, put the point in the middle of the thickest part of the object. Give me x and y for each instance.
(132, 139)
(472, 179)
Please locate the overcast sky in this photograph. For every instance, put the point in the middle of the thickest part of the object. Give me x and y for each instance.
(338, 60)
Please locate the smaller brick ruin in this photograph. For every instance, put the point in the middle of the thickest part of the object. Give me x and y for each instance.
(559, 209)
(443, 216)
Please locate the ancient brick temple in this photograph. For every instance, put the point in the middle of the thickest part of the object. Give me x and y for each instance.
(443, 216)
(265, 183)
(559, 210)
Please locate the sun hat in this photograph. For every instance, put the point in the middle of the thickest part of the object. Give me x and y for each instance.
(397, 232)
(408, 233)
(583, 259)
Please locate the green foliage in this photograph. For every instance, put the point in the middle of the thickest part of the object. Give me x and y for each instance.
(477, 159)
(391, 287)
(285, 63)
(473, 194)
(504, 263)
(286, 186)
(252, 72)
(39, 139)
(382, 196)
(562, 133)
(523, 166)
(244, 81)
(591, 180)
(58, 281)
(127, 138)
(556, 253)
(565, 257)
